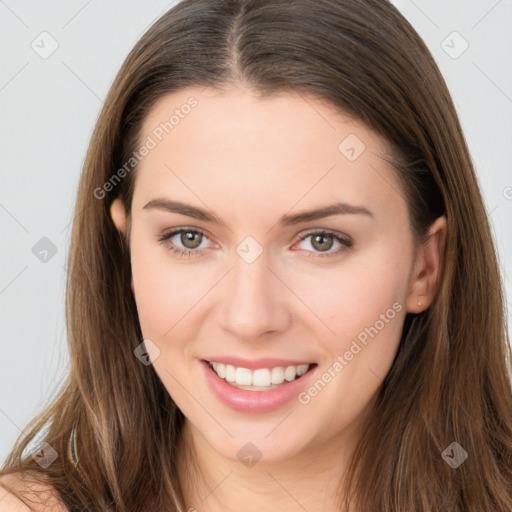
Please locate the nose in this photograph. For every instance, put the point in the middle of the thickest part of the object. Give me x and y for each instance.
(255, 301)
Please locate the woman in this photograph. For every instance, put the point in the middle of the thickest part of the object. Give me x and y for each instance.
(283, 291)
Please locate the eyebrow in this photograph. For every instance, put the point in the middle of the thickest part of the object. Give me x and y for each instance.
(338, 208)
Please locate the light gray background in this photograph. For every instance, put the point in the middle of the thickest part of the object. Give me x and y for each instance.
(48, 108)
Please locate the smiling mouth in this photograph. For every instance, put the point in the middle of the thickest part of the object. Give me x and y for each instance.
(261, 379)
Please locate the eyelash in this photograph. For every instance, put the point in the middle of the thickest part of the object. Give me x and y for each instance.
(164, 239)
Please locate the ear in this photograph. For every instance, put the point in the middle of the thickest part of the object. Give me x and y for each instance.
(425, 277)
(118, 214)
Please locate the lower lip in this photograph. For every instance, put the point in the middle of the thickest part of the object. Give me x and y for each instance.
(255, 401)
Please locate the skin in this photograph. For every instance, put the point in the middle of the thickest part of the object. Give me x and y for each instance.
(250, 161)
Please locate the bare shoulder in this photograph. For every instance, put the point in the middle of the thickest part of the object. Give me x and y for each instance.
(35, 497)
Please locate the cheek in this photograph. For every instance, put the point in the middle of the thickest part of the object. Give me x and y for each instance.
(164, 291)
(353, 294)
(362, 308)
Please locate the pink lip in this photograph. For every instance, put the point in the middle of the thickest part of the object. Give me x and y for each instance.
(254, 364)
(255, 401)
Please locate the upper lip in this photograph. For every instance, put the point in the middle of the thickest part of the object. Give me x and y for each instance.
(254, 364)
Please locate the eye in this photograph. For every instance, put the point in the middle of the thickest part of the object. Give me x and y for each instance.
(323, 241)
(188, 241)
(184, 241)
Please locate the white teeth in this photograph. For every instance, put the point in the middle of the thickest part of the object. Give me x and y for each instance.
(262, 377)
(277, 375)
(230, 373)
(243, 377)
(290, 373)
(302, 369)
(221, 370)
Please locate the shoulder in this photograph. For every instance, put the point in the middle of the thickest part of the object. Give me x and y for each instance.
(17, 494)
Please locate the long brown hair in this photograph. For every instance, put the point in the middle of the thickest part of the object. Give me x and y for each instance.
(450, 380)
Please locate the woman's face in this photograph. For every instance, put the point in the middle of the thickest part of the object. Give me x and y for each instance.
(294, 251)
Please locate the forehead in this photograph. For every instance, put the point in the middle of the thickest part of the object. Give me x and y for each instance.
(234, 147)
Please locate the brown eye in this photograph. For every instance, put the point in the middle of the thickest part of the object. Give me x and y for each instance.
(322, 242)
(184, 242)
(191, 239)
(325, 243)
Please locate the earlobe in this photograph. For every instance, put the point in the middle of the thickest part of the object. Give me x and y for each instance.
(425, 279)
(118, 214)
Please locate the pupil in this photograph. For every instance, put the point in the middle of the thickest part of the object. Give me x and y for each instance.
(187, 239)
(318, 239)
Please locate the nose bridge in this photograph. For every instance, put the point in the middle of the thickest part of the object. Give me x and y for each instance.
(253, 303)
